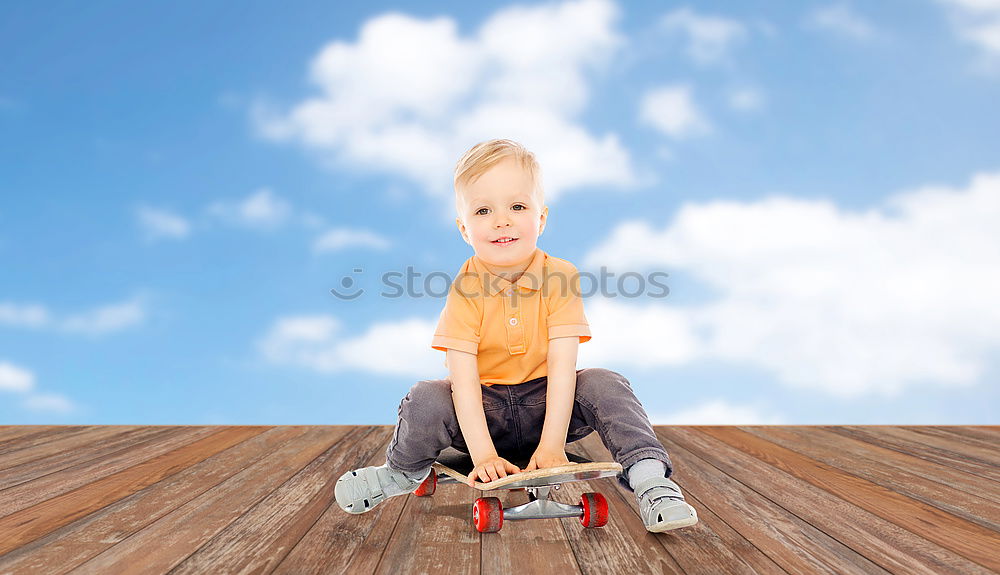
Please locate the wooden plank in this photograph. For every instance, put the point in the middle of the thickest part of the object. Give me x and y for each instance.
(764, 505)
(692, 550)
(54, 456)
(890, 469)
(770, 500)
(10, 434)
(910, 463)
(341, 542)
(34, 492)
(434, 535)
(868, 517)
(544, 540)
(74, 544)
(31, 523)
(987, 433)
(163, 544)
(38, 435)
(986, 451)
(260, 538)
(458, 465)
(65, 444)
(721, 541)
(883, 436)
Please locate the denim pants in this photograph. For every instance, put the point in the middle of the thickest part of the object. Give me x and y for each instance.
(515, 414)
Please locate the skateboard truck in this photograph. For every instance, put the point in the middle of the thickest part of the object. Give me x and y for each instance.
(541, 507)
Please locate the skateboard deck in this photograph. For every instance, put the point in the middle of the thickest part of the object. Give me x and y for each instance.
(457, 465)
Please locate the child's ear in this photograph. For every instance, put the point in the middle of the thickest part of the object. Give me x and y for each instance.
(461, 230)
(541, 224)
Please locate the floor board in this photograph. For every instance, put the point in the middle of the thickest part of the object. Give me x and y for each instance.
(771, 500)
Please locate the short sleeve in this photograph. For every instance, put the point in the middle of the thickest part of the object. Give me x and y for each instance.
(565, 305)
(460, 322)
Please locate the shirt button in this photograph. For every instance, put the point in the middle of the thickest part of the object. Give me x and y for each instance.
(513, 321)
(510, 291)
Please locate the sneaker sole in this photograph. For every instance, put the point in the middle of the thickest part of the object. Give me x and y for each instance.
(671, 525)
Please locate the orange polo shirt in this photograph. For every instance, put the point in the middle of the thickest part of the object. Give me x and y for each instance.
(508, 325)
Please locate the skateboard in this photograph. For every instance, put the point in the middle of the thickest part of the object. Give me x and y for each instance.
(488, 513)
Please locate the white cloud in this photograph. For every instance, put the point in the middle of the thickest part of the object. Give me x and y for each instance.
(159, 223)
(847, 303)
(21, 380)
(316, 342)
(337, 239)
(716, 412)
(672, 110)
(710, 38)
(410, 95)
(23, 315)
(14, 378)
(977, 22)
(49, 402)
(841, 19)
(261, 210)
(106, 319)
(101, 320)
(746, 99)
(657, 335)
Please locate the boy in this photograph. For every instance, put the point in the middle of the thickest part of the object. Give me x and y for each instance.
(510, 328)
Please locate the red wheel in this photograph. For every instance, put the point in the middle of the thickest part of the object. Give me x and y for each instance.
(487, 514)
(428, 486)
(595, 510)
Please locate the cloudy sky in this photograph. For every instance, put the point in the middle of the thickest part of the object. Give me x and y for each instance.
(182, 185)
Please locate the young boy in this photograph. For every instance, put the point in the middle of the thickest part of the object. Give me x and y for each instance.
(510, 328)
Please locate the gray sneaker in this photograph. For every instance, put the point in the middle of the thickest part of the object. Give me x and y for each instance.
(662, 506)
(359, 491)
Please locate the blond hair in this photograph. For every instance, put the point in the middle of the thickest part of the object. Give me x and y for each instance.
(484, 155)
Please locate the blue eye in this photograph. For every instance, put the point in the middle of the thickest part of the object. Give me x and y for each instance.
(480, 209)
(522, 205)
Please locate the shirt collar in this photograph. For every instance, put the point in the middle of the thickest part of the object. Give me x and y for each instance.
(531, 279)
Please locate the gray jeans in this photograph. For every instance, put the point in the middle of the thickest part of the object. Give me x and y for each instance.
(515, 414)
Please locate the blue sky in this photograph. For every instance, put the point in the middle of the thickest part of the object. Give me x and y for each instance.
(181, 185)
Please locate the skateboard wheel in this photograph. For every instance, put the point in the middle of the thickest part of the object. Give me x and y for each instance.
(595, 510)
(428, 486)
(487, 514)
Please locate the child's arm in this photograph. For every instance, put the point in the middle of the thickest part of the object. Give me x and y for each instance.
(559, 398)
(467, 393)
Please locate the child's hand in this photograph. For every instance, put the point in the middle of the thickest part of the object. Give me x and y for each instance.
(492, 468)
(545, 457)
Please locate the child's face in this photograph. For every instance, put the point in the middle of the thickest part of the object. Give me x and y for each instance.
(502, 203)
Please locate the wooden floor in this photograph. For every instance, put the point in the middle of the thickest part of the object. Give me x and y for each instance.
(116, 499)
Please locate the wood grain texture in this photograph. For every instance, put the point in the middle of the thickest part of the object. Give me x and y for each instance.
(881, 524)
(892, 438)
(34, 515)
(926, 482)
(708, 547)
(83, 540)
(770, 499)
(515, 478)
(341, 541)
(164, 544)
(755, 503)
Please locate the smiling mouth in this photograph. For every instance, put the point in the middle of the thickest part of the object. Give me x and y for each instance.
(504, 242)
